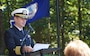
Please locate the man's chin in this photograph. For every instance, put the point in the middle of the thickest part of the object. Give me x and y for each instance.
(23, 25)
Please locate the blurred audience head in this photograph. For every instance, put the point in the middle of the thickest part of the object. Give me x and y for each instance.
(77, 48)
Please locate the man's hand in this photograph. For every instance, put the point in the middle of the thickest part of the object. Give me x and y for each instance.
(27, 49)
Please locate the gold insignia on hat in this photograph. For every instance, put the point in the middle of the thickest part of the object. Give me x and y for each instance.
(22, 16)
(24, 12)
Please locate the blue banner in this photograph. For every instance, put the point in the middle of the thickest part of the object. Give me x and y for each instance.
(38, 9)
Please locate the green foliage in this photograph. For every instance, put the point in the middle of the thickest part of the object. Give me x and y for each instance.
(46, 28)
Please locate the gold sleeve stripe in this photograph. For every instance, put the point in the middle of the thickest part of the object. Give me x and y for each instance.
(17, 50)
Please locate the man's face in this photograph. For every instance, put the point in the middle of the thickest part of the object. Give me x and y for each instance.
(20, 22)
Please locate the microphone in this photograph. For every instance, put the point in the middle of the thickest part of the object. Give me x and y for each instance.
(30, 27)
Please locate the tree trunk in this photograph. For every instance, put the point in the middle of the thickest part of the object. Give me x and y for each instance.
(2, 45)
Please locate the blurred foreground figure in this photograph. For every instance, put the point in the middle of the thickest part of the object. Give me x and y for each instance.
(77, 48)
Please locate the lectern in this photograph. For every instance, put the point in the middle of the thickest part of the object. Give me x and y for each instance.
(42, 52)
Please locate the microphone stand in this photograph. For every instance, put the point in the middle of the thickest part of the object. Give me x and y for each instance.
(23, 42)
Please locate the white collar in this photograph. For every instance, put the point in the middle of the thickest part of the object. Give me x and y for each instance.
(18, 28)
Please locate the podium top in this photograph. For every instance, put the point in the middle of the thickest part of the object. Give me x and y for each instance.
(43, 51)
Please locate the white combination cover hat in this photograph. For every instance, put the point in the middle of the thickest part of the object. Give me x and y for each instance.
(21, 12)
